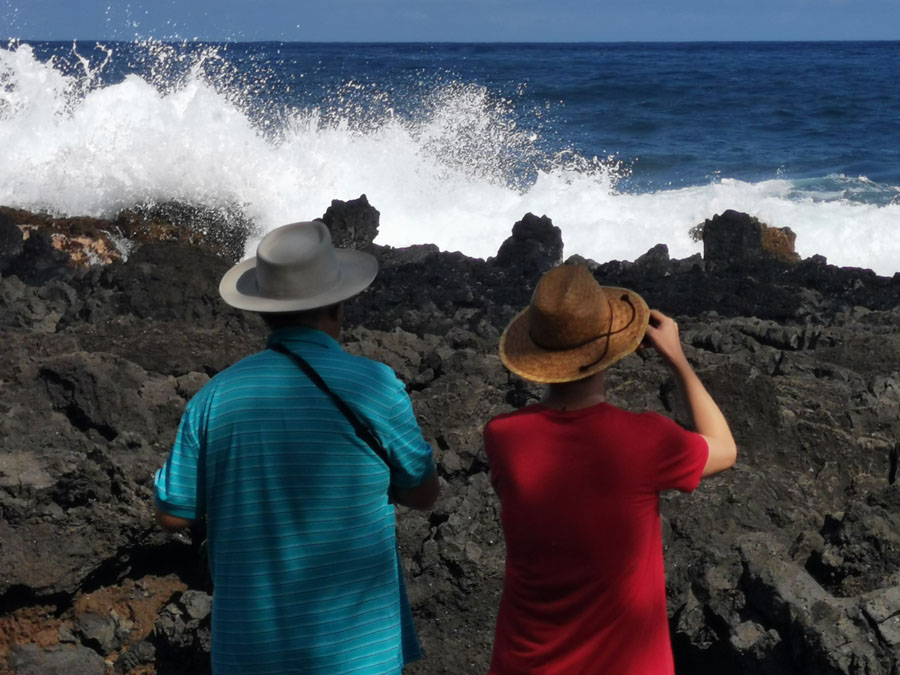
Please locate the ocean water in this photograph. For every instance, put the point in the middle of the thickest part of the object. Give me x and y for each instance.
(623, 145)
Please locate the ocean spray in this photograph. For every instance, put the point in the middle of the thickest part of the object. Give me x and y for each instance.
(457, 168)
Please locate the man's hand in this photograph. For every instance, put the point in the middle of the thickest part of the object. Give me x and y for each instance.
(420, 498)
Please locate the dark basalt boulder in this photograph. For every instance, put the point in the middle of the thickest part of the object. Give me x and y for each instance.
(181, 635)
(353, 224)
(857, 549)
(59, 660)
(38, 261)
(11, 242)
(656, 261)
(535, 246)
(733, 236)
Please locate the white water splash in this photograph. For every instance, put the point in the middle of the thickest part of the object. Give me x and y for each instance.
(452, 177)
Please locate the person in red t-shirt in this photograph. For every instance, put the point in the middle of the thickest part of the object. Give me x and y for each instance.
(579, 481)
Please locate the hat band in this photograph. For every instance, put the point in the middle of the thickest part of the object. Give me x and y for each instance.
(608, 334)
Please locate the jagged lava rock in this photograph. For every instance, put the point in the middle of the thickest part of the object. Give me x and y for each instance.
(733, 236)
(353, 224)
(11, 242)
(785, 565)
(535, 246)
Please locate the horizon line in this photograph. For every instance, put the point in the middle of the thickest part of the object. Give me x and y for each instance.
(451, 42)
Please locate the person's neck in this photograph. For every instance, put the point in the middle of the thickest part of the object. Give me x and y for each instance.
(331, 329)
(576, 395)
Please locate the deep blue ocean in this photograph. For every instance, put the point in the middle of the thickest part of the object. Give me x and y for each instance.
(622, 145)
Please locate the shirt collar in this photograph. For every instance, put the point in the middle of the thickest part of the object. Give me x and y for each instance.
(290, 335)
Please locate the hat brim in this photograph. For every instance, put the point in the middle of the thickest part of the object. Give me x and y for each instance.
(523, 357)
(239, 287)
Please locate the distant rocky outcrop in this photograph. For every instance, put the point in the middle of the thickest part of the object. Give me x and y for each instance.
(353, 224)
(535, 246)
(789, 564)
(96, 241)
(733, 236)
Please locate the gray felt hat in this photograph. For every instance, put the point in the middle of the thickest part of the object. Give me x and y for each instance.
(297, 268)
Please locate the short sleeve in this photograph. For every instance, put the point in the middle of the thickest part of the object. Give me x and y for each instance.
(411, 457)
(679, 455)
(175, 484)
(489, 449)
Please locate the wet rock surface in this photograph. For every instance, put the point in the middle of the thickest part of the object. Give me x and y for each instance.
(789, 564)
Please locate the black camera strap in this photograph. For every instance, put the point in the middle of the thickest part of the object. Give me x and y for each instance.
(362, 431)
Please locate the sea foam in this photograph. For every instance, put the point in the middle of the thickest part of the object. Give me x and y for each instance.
(458, 174)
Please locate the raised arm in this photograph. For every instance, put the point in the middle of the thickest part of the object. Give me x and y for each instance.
(662, 334)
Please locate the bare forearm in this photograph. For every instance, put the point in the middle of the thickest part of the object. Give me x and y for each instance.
(171, 523)
(707, 418)
(662, 334)
(705, 413)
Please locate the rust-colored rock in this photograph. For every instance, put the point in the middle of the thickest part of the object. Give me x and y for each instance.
(82, 250)
(778, 242)
(87, 241)
(98, 241)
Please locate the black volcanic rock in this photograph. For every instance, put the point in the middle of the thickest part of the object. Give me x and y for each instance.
(654, 261)
(60, 660)
(353, 224)
(11, 242)
(733, 236)
(38, 262)
(535, 246)
(786, 565)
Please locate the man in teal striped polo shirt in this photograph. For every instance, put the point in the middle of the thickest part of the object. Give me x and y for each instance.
(301, 532)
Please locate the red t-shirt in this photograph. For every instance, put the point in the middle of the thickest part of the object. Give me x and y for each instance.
(584, 590)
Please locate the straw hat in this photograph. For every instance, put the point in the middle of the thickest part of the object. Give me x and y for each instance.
(297, 268)
(573, 328)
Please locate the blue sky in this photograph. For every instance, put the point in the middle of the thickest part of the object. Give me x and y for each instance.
(452, 20)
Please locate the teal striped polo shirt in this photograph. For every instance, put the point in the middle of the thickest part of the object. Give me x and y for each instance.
(301, 536)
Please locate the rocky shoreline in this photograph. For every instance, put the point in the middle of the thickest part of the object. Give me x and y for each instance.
(789, 564)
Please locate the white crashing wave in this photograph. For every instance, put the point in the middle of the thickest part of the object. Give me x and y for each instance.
(459, 175)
